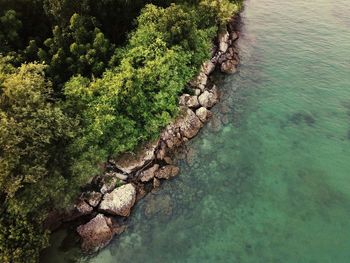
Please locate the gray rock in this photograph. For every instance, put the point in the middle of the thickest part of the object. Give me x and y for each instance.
(119, 201)
(148, 174)
(203, 114)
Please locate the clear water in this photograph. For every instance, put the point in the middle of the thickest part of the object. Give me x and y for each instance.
(272, 184)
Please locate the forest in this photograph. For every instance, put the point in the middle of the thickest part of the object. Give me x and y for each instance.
(81, 81)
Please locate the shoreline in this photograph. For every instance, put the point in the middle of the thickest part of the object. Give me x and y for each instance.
(107, 201)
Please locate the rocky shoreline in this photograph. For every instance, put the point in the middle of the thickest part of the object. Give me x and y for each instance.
(108, 199)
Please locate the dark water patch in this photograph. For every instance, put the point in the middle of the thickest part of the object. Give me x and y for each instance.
(302, 117)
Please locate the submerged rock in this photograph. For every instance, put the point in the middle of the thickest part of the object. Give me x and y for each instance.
(167, 172)
(119, 201)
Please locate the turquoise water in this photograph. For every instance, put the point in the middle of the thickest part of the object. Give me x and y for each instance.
(268, 180)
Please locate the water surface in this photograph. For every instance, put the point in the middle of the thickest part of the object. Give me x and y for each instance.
(268, 180)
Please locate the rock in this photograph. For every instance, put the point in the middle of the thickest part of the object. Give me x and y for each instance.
(208, 68)
(167, 172)
(148, 174)
(215, 124)
(197, 92)
(83, 208)
(130, 162)
(234, 36)
(229, 67)
(223, 39)
(156, 183)
(203, 114)
(200, 81)
(108, 184)
(93, 198)
(189, 101)
(119, 201)
(96, 234)
(209, 98)
(168, 160)
(190, 124)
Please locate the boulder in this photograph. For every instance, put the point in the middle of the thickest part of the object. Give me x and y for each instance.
(167, 172)
(189, 124)
(95, 234)
(223, 40)
(148, 174)
(208, 68)
(229, 66)
(119, 201)
(109, 182)
(203, 114)
(130, 162)
(200, 81)
(189, 101)
(209, 98)
(83, 208)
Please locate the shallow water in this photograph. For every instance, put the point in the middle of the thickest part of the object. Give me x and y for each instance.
(272, 184)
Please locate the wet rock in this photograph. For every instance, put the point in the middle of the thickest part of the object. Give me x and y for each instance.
(229, 67)
(148, 174)
(215, 124)
(156, 183)
(168, 160)
(190, 124)
(95, 234)
(300, 117)
(203, 114)
(167, 172)
(119, 201)
(223, 40)
(93, 198)
(209, 98)
(130, 162)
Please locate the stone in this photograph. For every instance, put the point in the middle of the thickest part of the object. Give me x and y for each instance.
(95, 234)
(167, 172)
(208, 68)
(119, 201)
(223, 39)
(192, 102)
(156, 183)
(148, 174)
(203, 114)
(168, 160)
(200, 81)
(131, 162)
(229, 67)
(83, 208)
(189, 124)
(209, 98)
(93, 198)
(108, 184)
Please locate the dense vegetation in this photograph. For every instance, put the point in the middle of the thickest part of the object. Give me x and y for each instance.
(82, 80)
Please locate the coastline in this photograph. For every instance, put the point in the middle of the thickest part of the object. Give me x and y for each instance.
(108, 199)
